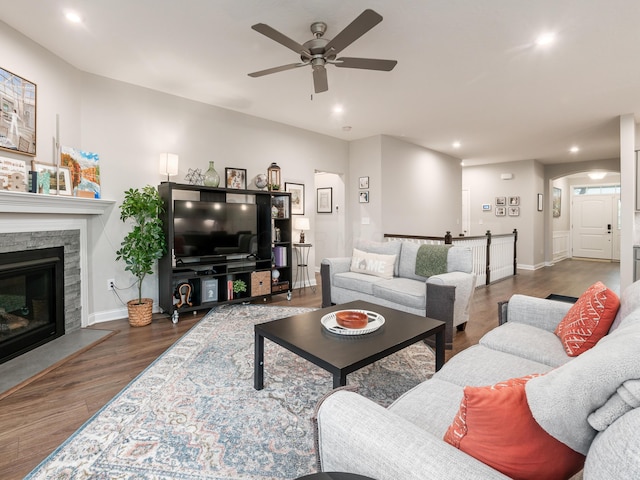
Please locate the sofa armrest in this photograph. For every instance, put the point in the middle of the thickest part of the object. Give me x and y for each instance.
(465, 284)
(328, 268)
(359, 436)
(537, 312)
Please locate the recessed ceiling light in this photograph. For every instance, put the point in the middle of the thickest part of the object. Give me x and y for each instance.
(456, 144)
(574, 149)
(338, 109)
(73, 17)
(545, 39)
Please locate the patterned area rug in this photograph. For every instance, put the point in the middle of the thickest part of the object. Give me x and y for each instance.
(194, 414)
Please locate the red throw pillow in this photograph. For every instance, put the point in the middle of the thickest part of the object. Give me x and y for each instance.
(495, 425)
(588, 320)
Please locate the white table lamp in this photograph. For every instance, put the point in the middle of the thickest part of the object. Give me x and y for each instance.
(301, 224)
(168, 164)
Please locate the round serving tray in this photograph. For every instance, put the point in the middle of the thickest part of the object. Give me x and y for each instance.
(330, 323)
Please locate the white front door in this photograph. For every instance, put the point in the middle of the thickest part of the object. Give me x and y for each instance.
(593, 222)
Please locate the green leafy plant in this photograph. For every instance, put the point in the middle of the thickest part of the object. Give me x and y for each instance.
(145, 243)
(239, 286)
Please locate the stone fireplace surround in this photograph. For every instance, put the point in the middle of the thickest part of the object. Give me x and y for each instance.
(70, 240)
(30, 221)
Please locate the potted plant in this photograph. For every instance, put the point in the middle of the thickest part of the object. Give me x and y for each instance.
(142, 246)
(239, 286)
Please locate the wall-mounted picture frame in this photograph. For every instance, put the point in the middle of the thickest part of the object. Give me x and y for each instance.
(514, 201)
(364, 197)
(18, 98)
(486, 207)
(501, 211)
(324, 200)
(501, 201)
(297, 197)
(235, 178)
(540, 202)
(363, 182)
(557, 201)
(514, 211)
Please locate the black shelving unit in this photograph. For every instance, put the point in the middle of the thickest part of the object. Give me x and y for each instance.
(201, 282)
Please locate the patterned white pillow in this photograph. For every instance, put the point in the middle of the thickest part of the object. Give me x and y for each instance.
(372, 263)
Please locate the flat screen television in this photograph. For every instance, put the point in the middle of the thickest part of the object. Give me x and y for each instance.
(214, 229)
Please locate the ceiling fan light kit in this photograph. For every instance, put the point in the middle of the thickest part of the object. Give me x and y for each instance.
(320, 51)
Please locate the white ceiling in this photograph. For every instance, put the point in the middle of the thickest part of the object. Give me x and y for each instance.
(467, 70)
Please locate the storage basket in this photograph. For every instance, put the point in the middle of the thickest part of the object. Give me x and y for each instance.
(260, 283)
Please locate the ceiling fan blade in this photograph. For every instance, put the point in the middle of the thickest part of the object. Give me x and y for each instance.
(366, 63)
(282, 39)
(281, 68)
(320, 82)
(361, 25)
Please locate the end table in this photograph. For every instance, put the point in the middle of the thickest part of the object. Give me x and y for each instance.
(302, 260)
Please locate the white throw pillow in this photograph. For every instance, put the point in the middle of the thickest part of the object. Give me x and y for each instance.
(372, 263)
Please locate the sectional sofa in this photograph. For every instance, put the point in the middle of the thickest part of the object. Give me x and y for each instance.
(397, 285)
(582, 409)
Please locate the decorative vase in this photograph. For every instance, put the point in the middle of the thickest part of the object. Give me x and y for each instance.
(211, 177)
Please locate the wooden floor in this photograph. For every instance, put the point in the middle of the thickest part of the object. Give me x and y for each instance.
(38, 417)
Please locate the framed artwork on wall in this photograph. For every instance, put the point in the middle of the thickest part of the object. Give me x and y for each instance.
(364, 182)
(501, 211)
(236, 178)
(514, 211)
(324, 200)
(18, 111)
(557, 201)
(514, 201)
(297, 197)
(364, 197)
(501, 201)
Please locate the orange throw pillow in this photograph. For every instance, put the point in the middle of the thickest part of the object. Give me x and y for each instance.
(495, 425)
(588, 320)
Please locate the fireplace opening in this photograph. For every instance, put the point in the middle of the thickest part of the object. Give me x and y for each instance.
(31, 299)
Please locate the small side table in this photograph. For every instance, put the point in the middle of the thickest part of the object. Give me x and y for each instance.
(302, 260)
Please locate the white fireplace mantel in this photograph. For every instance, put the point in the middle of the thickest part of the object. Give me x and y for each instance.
(20, 202)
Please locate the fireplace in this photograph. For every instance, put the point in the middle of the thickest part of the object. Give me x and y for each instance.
(31, 299)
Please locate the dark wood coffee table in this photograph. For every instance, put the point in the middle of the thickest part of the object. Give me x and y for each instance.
(340, 355)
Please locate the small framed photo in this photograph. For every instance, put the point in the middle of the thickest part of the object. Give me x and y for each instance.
(514, 201)
(540, 202)
(64, 181)
(364, 197)
(324, 200)
(501, 201)
(486, 207)
(236, 178)
(364, 182)
(514, 211)
(297, 197)
(48, 178)
(501, 211)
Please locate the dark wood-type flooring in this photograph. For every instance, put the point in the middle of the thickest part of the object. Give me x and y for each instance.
(38, 417)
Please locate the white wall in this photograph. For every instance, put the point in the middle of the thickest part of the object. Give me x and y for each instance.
(330, 228)
(485, 184)
(420, 190)
(365, 160)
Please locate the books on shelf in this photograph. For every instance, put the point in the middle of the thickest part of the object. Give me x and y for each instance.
(280, 256)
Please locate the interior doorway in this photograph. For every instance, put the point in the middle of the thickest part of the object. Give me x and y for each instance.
(330, 233)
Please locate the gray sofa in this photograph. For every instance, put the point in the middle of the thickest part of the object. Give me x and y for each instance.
(584, 401)
(451, 292)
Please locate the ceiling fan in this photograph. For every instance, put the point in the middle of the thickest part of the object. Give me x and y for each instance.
(321, 51)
